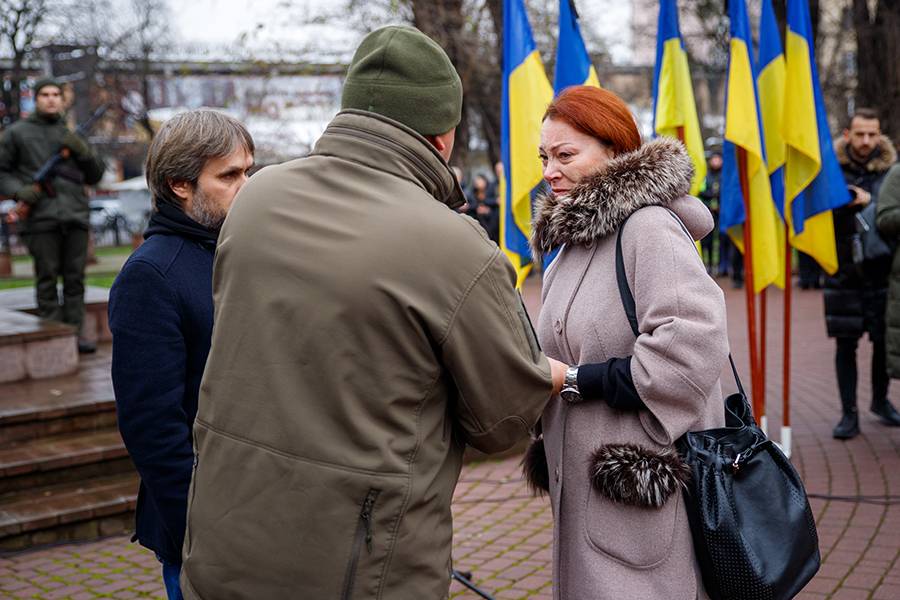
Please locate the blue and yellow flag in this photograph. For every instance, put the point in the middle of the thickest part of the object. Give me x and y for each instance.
(813, 183)
(770, 77)
(526, 94)
(743, 132)
(771, 82)
(674, 109)
(573, 63)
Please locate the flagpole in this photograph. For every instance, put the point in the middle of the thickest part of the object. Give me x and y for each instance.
(786, 391)
(748, 280)
(763, 316)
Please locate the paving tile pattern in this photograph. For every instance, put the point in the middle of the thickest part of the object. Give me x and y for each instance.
(504, 536)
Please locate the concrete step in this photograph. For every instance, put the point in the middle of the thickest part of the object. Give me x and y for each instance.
(33, 348)
(67, 512)
(81, 401)
(41, 462)
(96, 300)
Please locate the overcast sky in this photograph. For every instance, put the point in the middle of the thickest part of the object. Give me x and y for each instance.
(264, 22)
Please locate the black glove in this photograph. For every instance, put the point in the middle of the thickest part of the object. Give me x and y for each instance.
(76, 144)
(28, 194)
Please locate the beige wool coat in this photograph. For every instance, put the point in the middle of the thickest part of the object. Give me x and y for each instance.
(604, 549)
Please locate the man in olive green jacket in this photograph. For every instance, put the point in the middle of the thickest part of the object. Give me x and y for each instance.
(55, 226)
(888, 222)
(364, 333)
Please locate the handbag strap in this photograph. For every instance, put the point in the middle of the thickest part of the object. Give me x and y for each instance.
(628, 297)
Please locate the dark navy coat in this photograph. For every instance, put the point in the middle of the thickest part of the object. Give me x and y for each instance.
(161, 316)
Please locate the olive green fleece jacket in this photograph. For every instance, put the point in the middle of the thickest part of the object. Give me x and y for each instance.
(24, 148)
(888, 223)
(364, 333)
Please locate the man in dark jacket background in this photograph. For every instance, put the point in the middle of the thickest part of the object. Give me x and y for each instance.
(856, 296)
(161, 316)
(56, 215)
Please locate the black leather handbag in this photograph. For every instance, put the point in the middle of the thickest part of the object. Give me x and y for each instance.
(753, 529)
(874, 247)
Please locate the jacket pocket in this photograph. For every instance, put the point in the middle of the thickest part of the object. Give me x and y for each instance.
(282, 526)
(362, 537)
(635, 536)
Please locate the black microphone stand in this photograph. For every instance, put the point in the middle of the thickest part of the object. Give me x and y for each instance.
(465, 578)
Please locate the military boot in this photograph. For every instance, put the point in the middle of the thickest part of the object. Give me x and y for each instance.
(887, 414)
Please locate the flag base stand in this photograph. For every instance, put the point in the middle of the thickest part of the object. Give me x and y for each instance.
(786, 441)
(465, 578)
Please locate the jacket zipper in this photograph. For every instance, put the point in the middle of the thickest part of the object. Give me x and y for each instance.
(363, 535)
(386, 141)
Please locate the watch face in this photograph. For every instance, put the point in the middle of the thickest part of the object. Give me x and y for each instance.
(570, 395)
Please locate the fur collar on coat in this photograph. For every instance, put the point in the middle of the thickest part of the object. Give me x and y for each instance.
(656, 174)
(880, 163)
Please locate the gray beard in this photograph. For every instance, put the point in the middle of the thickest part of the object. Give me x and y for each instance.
(205, 212)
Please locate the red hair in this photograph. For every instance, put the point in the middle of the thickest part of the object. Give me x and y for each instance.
(598, 113)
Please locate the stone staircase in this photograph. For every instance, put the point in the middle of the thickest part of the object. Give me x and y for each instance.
(64, 472)
(31, 348)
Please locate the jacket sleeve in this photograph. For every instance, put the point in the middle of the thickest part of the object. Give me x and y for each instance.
(683, 345)
(888, 219)
(9, 182)
(503, 380)
(610, 382)
(92, 167)
(148, 373)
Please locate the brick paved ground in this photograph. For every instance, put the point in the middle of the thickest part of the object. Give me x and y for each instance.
(504, 536)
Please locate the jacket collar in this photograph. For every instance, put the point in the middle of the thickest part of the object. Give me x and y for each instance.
(881, 160)
(43, 119)
(386, 145)
(656, 174)
(169, 219)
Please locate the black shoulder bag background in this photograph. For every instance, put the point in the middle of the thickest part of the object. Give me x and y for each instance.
(753, 529)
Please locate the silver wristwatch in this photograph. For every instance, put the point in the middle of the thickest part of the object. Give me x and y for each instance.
(569, 391)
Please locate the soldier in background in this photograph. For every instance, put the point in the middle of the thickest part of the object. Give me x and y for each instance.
(54, 216)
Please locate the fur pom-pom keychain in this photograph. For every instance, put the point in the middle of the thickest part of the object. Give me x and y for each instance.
(635, 476)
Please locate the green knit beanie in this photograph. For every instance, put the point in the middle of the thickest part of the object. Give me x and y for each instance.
(44, 82)
(401, 73)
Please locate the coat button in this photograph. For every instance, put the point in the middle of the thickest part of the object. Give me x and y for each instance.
(556, 474)
(558, 326)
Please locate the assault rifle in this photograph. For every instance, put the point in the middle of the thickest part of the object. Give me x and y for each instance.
(43, 175)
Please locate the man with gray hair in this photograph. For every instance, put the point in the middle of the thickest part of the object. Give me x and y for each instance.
(161, 316)
(365, 333)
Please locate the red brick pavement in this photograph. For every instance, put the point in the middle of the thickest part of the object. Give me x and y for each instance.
(504, 536)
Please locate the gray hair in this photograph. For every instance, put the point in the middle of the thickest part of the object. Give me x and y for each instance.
(184, 143)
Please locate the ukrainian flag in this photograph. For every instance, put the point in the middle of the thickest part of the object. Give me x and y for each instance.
(573, 64)
(526, 94)
(770, 82)
(743, 131)
(814, 184)
(674, 109)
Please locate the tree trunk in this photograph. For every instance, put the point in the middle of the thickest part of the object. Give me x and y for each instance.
(443, 21)
(16, 80)
(877, 48)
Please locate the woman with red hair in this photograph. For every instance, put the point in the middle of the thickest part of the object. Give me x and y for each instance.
(612, 471)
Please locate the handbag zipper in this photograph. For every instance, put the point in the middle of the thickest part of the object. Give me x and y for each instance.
(363, 535)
